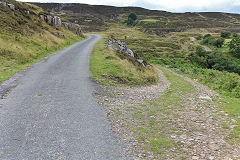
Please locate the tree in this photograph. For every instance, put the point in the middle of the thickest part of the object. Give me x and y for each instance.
(226, 34)
(132, 16)
(234, 46)
(131, 21)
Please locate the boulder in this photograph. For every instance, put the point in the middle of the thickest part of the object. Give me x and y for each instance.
(73, 27)
(57, 22)
(117, 45)
(79, 31)
(49, 19)
(27, 12)
(3, 3)
(141, 62)
(129, 52)
(205, 98)
(121, 47)
(42, 17)
(11, 6)
(66, 25)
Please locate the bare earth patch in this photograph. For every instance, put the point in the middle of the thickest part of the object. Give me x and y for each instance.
(176, 119)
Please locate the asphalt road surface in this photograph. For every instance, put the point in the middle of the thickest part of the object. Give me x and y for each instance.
(52, 115)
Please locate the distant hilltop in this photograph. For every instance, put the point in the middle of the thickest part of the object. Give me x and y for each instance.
(92, 17)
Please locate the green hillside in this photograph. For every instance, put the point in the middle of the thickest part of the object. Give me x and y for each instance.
(92, 17)
(25, 38)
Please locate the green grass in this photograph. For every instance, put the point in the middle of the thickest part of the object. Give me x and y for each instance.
(149, 20)
(18, 55)
(152, 120)
(162, 51)
(156, 120)
(227, 41)
(25, 39)
(232, 107)
(106, 67)
(228, 102)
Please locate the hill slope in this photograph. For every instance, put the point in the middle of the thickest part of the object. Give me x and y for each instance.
(151, 21)
(26, 38)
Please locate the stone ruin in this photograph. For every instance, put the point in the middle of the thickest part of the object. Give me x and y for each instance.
(121, 47)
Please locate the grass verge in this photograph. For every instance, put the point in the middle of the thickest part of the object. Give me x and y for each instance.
(17, 51)
(106, 67)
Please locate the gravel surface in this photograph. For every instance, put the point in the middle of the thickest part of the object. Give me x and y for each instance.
(52, 115)
(118, 99)
(198, 123)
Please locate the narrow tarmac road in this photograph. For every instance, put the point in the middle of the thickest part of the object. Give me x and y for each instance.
(52, 115)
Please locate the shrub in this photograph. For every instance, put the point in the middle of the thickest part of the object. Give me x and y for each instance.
(213, 78)
(199, 37)
(225, 34)
(132, 16)
(234, 46)
(218, 42)
(200, 51)
(235, 35)
(207, 36)
(208, 39)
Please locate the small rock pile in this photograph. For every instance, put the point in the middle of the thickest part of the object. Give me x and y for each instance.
(121, 47)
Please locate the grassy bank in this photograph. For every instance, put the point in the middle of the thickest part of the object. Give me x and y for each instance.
(108, 68)
(26, 39)
(18, 51)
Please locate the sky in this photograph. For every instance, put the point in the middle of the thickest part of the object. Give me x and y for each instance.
(232, 6)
